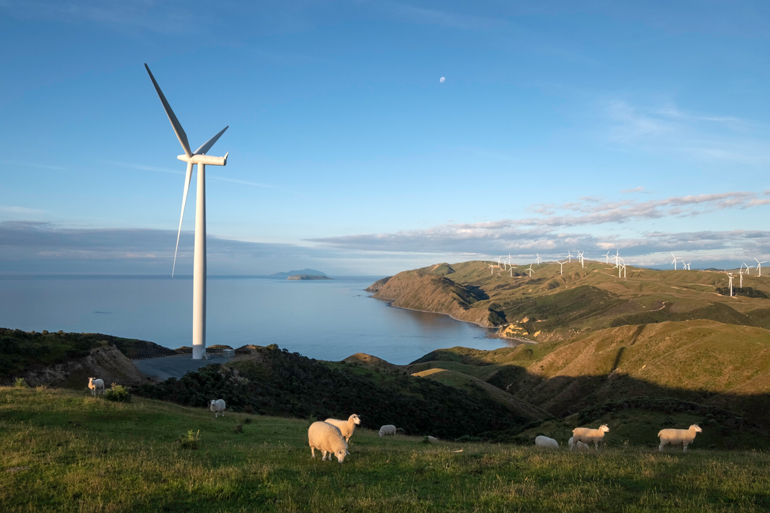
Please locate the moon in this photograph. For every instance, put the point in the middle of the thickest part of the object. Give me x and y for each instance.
(442, 79)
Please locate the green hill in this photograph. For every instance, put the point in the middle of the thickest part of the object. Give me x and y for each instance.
(66, 451)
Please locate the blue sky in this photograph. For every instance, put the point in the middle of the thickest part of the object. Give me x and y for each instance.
(593, 125)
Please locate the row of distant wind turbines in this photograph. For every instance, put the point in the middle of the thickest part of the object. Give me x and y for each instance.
(620, 265)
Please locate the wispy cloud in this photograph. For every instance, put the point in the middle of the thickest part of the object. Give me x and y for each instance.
(635, 189)
(698, 136)
(545, 233)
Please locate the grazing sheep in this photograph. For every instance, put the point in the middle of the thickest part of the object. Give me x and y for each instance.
(96, 385)
(571, 443)
(217, 406)
(678, 436)
(431, 439)
(580, 446)
(387, 429)
(544, 441)
(328, 439)
(346, 427)
(590, 436)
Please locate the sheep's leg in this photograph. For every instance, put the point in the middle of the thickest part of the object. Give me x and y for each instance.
(684, 447)
(312, 451)
(662, 444)
(324, 458)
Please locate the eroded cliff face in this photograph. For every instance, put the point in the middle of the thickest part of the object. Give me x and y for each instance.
(432, 293)
(107, 363)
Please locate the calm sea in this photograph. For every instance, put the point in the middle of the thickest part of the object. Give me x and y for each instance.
(328, 320)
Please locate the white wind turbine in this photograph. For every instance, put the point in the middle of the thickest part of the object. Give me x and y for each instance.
(530, 271)
(562, 266)
(617, 256)
(674, 262)
(509, 259)
(621, 267)
(491, 268)
(607, 258)
(730, 275)
(759, 266)
(741, 273)
(748, 269)
(200, 158)
(510, 268)
(582, 260)
(569, 257)
(539, 259)
(498, 261)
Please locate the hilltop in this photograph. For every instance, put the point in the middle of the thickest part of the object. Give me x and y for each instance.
(304, 272)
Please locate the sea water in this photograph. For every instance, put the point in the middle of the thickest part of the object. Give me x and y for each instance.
(323, 319)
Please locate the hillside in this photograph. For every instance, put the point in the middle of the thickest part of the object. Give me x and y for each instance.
(550, 305)
(276, 382)
(66, 451)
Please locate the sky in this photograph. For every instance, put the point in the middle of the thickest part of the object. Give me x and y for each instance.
(594, 126)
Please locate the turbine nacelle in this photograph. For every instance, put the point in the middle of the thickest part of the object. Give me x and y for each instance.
(207, 160)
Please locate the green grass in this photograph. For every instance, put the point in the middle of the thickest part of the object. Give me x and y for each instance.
(65, 451)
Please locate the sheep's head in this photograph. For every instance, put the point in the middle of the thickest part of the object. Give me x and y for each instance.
(355, 419)
(696, 428)
(603, 428)
(340, 454)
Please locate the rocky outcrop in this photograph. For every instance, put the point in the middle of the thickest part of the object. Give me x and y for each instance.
(377, 285)
(107, 363)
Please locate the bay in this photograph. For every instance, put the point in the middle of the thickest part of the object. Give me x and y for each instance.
(325, 319)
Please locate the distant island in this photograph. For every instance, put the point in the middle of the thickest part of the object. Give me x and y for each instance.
(303, 272)
(308, 277)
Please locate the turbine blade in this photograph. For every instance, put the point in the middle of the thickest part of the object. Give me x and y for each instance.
(181, 217)
(175, 124)
(205, 147)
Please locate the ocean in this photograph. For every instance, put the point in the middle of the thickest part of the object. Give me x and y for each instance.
(324, 319)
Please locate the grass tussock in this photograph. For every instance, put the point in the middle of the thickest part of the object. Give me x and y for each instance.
(64, 451)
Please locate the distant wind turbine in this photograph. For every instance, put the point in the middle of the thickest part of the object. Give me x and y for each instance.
(530, 270)
(582, 260)
(491, 268)
(562, 266)
(607, 258)
(617, 256)
(741, 273)
(748, 269)
(569, 257)
(510, 268)
(539, 259)
(759, 266)
(498, 261)
(200, 158)
(674, 262)
(730, 275)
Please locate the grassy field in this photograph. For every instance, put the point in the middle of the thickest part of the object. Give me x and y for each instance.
(66, 451)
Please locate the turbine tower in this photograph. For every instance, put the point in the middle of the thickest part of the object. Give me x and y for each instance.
(674, 262)
(730, 275)
(199, 261)
(607, 258)
(562, 266)
(569, 257)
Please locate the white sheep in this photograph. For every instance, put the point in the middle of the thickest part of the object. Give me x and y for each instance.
(590, 436)
(544, 441)
(579, 445)
(388, 429)
(678, 436)
(96, 385)
(328, 439)
(217, 406)
(346, 427)
(432, 439)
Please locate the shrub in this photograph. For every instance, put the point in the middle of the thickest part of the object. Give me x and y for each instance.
(20, 383)
(118, 393)
(190, 440)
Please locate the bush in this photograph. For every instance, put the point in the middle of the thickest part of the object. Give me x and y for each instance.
(190, 440)
(118, 393)
(20, 383)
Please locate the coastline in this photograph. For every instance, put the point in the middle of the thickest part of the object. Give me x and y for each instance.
(515, 339)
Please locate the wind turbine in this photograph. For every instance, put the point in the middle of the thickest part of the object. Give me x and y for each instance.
(674, 262)
(607, 258)
(759, 266)
(491, 268)
(730, 275)
(511, 269)
(569, 257)
(562, 266)
(741, 273)
(509, 259)
(199, 260)
(530, 271)
(582, 260)
(498, 261)
(748, 269)
(617, 256)
(539, 259)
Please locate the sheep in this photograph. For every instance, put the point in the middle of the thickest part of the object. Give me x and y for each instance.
(431, 439)
(217, 406)
(387, 429)
(544, 441)
(346, 427)
(328, 439)
(678, 436)
(96, 385)
(589, 436)
(577, 445)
